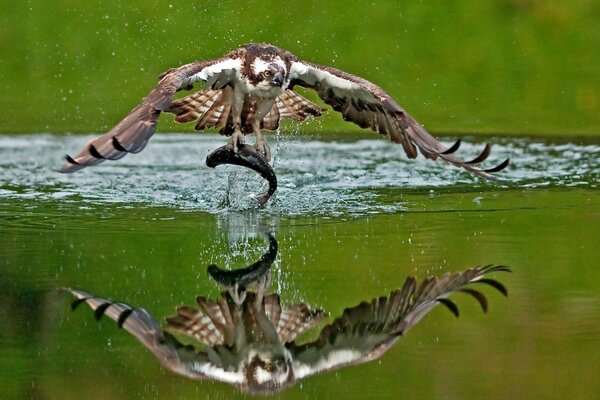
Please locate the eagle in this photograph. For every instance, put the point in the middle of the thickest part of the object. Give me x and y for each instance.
(252, 89)
(248, 339)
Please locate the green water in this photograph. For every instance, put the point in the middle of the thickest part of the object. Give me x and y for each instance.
(541, 342)
(353, 217)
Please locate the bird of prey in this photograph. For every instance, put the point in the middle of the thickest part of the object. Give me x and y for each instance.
(248, 338)
(251, 89)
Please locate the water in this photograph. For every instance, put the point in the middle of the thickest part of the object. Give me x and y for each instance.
(315, 177)
(353, 219)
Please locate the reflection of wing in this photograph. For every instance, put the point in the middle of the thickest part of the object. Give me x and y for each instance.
(368, 330)
(291, 321)
(212, 324)
(173, 355)
(368, 106)
(134, 131)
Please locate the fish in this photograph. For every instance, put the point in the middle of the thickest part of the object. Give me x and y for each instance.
(246, 156)
(246, 277)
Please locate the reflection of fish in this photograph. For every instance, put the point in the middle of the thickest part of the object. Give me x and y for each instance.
(246, 156)
(245, 277)
(250, 343)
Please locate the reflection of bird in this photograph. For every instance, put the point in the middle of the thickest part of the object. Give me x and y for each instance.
(252, 88)
(251, 343)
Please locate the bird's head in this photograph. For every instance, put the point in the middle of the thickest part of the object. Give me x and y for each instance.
(268, 72)
(267, 371)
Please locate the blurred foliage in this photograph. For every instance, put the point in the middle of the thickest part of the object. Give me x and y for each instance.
(503, 66)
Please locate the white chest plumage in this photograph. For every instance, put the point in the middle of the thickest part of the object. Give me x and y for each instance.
(267, 92)
(259, 98)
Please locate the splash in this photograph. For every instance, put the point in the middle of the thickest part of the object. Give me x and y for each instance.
(327, 178)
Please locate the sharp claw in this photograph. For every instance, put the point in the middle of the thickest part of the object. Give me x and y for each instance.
(263, 149)
(237, 138)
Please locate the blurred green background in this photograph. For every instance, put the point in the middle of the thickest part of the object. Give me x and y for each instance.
(503, 66)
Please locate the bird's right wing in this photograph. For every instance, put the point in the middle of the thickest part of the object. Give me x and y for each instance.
(132, 134)
(184, 360)
(363, 333)
(369, 106)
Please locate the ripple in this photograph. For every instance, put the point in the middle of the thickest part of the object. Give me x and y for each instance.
(315, 177)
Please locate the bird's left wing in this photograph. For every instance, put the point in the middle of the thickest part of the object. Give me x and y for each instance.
(132, 134)
(184, 360)
(368, 330)
(369, 106)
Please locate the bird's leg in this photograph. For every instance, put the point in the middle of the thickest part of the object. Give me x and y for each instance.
(236, 138)
(238, 337)
(260, 145)
(261, 287)
(264, 323)
(238, 294)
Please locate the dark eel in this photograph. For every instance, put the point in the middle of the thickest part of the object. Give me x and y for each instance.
(248, 157)
(244, 277)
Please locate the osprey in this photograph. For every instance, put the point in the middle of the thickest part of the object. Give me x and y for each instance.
(248, 338)
(251, 89)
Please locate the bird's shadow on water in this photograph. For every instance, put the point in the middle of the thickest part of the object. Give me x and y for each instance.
(247, 337)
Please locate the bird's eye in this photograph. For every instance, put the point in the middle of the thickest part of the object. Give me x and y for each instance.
(267, 74)
(269, 367)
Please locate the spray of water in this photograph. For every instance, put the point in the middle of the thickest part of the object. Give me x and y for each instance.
(329, 178)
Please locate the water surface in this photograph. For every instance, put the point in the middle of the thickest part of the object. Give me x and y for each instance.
(353, 219)
(317, 177)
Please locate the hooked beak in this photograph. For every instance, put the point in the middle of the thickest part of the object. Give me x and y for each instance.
(277, 81)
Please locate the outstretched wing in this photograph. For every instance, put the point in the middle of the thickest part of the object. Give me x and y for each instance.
(368, 330)
(184, 360)
(368, 106)
(132, 134)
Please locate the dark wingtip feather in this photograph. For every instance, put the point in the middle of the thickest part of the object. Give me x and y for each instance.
(117, 145)
(453, 148)
(478, 296)
(94, 152)
(71, 160)
(70, 166)
(498, 167)
(495, 284)
(99, 312)
(450, 305)
(482, 156)
(496, 268)
(77, 302)
(124, 315)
